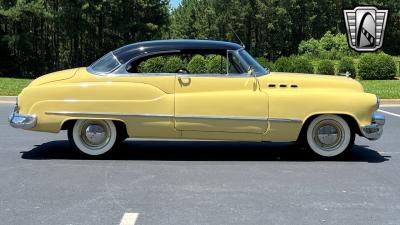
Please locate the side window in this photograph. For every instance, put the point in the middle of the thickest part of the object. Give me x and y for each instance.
(181, 63)
(160, 64)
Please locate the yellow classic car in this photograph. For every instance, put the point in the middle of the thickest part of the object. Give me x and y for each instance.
(236, 99)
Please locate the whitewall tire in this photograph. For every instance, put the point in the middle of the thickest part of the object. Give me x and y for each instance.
(93, 137)
(329, 136)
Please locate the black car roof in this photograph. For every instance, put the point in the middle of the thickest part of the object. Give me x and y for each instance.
(128, 52)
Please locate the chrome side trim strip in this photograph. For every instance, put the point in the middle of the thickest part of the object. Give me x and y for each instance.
(106, 114)
(285, 120)
(65, 113)
(221, 117)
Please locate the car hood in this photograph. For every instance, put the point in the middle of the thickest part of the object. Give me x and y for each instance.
(314, 81)
(56, 76)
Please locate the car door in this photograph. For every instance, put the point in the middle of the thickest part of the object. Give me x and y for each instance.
(229, 102)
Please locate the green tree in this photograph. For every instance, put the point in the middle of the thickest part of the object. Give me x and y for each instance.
(39, 36)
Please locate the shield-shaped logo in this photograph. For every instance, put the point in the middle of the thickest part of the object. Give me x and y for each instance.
(365, 28)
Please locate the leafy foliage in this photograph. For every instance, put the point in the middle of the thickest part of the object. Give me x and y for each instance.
(283, 64)
(173, 64)
(301, 65)
(153, 65)
(197, 65)
(346, 64)
(294, 64)
(39, 36)
(328, 47)
(374, 66)
(326, 67)
(265, 63)
(216, 64)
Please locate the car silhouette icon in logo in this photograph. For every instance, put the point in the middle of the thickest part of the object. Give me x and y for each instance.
(365, 28)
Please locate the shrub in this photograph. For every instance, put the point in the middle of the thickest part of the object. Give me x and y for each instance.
(265, 63)
(216, 64)
(173, 64)
(309, 47)
(294, 64)
(346, 64)
(152, 65)
(330, 46)
(377, 67)
(326, 67)
(283, 64)
(301, 65)
(197, 65)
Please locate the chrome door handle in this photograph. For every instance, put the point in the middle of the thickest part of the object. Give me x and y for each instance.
(184, 80)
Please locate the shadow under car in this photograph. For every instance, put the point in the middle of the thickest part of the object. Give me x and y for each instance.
(200, 151)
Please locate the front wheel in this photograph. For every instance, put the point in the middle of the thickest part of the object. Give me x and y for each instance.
(329, 136)
(93, 137)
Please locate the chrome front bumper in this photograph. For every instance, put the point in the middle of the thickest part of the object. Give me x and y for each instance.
(22, 121)
(375, 129)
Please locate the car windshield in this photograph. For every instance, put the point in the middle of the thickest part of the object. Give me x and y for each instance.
(105, 64)
(258, 69)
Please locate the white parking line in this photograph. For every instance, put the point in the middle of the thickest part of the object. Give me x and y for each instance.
(129, 219)
(389, 113)
(389, 152)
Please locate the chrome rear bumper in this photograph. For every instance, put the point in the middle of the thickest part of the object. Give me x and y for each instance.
(22, 121)
(375, 129)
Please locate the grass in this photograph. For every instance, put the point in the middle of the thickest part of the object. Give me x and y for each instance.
(386, 89)
(12, 86)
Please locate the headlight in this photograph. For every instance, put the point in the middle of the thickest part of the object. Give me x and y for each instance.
(378, 102)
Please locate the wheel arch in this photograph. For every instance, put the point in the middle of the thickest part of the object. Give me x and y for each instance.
(350, 119)
(120, 124)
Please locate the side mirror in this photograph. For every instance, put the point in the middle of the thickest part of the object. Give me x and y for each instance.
(251, 71)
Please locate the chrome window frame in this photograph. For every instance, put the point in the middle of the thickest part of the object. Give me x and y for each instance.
(121, 69)
(91, 70)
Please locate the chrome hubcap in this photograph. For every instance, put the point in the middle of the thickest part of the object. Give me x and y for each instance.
(328, 135)
(95, 134)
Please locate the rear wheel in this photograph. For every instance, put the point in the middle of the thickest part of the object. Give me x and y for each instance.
(329, 136)
(93, 137)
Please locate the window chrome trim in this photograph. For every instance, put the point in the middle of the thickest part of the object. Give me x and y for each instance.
(284, 120)
(91, 70)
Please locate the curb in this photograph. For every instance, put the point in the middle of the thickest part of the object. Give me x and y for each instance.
(390, 102)
(11, 99)
(8, 99)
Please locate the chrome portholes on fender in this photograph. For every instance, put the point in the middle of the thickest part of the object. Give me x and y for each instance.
(93, 137)
(329, 136)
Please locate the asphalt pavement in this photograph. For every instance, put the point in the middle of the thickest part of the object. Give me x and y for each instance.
(186, 183)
